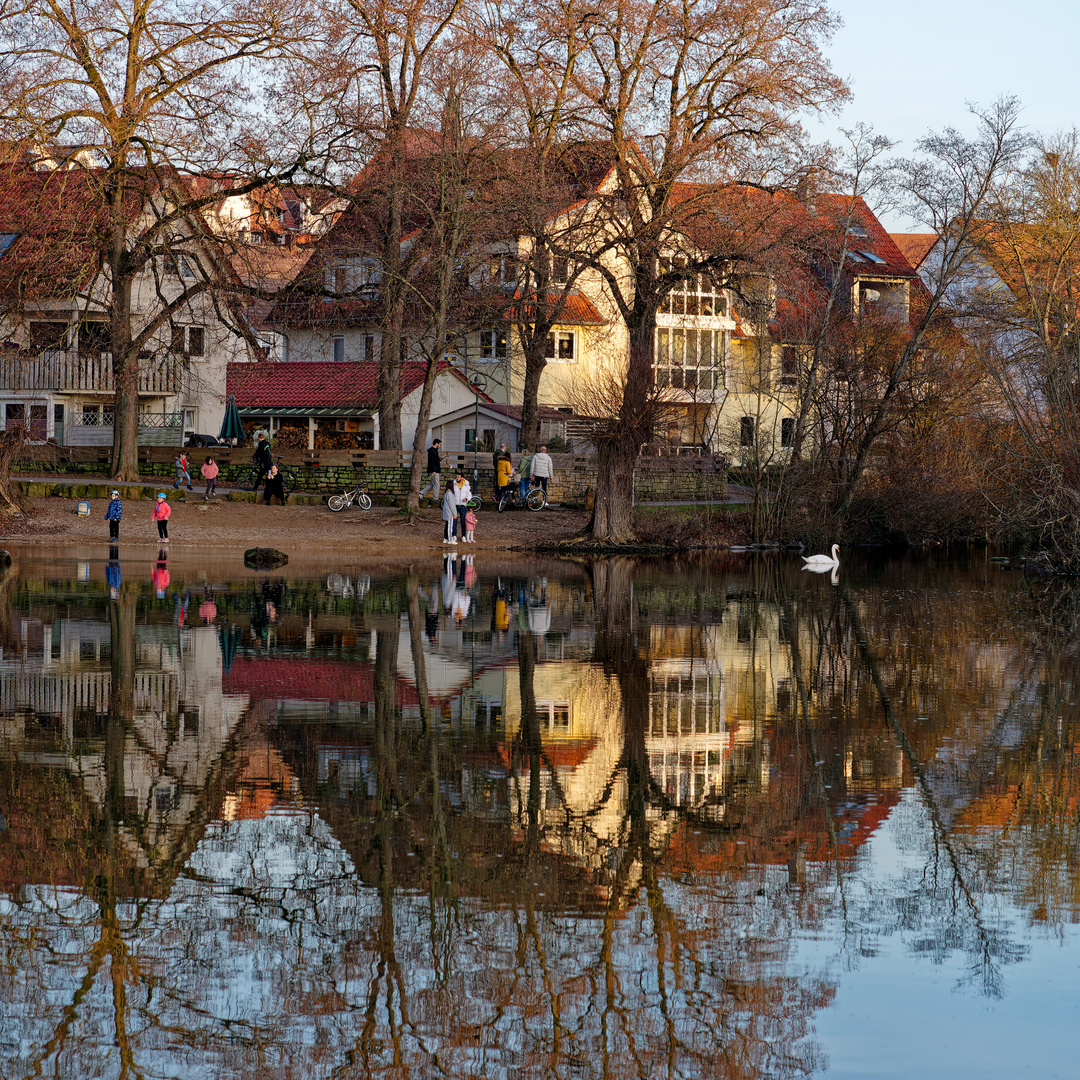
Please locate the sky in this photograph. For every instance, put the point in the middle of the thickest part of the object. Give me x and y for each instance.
(914, 66)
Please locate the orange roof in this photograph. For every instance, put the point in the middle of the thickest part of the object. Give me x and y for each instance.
(915, 246)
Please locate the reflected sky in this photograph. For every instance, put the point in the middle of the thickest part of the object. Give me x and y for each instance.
(516, 818)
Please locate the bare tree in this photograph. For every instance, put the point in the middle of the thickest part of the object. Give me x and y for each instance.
(161, 88)
(682, 93)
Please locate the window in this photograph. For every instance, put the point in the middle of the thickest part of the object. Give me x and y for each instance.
(95, 338)
(6, 240)
(857, 229)
(48, 336)
(494, 345)
(189, 340)
(869, 256)
(14, 415)
(178, 266)
(369, 348)
(560, 347)
(338, 349)
(787, 431)
(696, 294)
(502, 269)
(746, 431)
(690, 359)
(561, 269)
(355, 274)
(789, 365)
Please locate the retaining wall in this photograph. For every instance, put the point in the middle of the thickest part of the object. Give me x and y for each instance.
(385, 473)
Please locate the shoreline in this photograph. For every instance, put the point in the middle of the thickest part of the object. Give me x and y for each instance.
(223, 526)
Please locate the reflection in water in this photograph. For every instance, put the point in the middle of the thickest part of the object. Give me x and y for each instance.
(525, 820)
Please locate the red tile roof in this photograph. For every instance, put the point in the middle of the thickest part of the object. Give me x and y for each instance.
(915, 246)
(59, 218)
(317, 385)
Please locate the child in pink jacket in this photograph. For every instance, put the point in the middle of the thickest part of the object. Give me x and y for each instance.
(209, 474)
(161, 513)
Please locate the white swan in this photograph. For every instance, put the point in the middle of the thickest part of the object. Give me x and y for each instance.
(822, 562)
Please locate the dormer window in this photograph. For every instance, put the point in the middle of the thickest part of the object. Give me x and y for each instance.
(858, 230)
(355, 274)
(502, 269)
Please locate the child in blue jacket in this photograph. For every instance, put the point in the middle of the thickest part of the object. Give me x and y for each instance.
(113, 512)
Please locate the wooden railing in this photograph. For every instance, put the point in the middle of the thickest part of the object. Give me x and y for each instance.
(72, 371)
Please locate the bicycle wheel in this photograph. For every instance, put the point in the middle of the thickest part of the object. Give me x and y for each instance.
(536, 499)
(245, 477)
(336, 503)
(288, 478)
(504, 501)
(473, 504)
(363, 500)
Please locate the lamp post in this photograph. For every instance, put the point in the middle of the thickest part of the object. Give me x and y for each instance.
(479, 386)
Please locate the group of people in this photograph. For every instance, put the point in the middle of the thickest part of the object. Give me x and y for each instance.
(458, 517)
(534, 470)
(209, 473)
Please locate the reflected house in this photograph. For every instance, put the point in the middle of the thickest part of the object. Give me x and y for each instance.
(580, 734)
(55, 698)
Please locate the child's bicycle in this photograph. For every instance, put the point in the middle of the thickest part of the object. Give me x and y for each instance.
(511, 497)
(357, 495)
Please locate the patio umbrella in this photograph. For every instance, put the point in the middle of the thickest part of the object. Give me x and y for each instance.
(231, 426)
(229, 637)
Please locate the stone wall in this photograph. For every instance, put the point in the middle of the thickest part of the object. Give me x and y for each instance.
(385, 474)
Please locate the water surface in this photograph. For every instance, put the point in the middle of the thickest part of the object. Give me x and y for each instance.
(512, 818)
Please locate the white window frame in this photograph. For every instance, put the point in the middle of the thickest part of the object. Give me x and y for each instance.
(493, 345)
(182, 337)
(337, 349)
(554, 351)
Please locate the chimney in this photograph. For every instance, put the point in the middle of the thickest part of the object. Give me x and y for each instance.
(806, 189)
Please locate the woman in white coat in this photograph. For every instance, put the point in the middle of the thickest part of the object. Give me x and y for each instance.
(450, 513)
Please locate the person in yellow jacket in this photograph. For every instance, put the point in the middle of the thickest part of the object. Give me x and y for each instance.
(504, 469)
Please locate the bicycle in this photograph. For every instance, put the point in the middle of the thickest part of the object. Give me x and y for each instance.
(535, 499)
(357, 495)
(248, 476)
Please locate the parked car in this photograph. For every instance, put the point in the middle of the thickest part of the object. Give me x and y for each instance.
(201, 440)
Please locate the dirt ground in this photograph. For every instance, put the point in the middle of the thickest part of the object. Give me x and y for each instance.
(296, 530)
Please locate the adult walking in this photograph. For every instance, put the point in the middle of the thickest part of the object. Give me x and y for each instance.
(434, 468)
(449, 514)
(263, 460)
(542, 468)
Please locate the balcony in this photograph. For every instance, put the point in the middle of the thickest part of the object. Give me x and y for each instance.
(70, 371)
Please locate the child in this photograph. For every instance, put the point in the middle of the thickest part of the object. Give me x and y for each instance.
(470, 524)
(113, 512)
(182, 472)
(162, 510)
(209, 473)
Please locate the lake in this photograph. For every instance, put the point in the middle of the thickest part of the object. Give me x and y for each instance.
(510, 817)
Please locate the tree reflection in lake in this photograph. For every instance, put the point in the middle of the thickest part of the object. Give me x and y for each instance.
(521, 820)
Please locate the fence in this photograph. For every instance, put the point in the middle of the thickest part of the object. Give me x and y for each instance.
(71, 370)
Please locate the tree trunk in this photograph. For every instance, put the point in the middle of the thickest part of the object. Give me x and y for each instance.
(125, 358)
(535, 362)
(632, 427)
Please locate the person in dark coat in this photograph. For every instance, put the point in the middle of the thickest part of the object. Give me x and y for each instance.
(263, 459)
(275, 485)
(434, 468)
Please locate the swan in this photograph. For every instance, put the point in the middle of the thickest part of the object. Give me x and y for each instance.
(822, 562)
